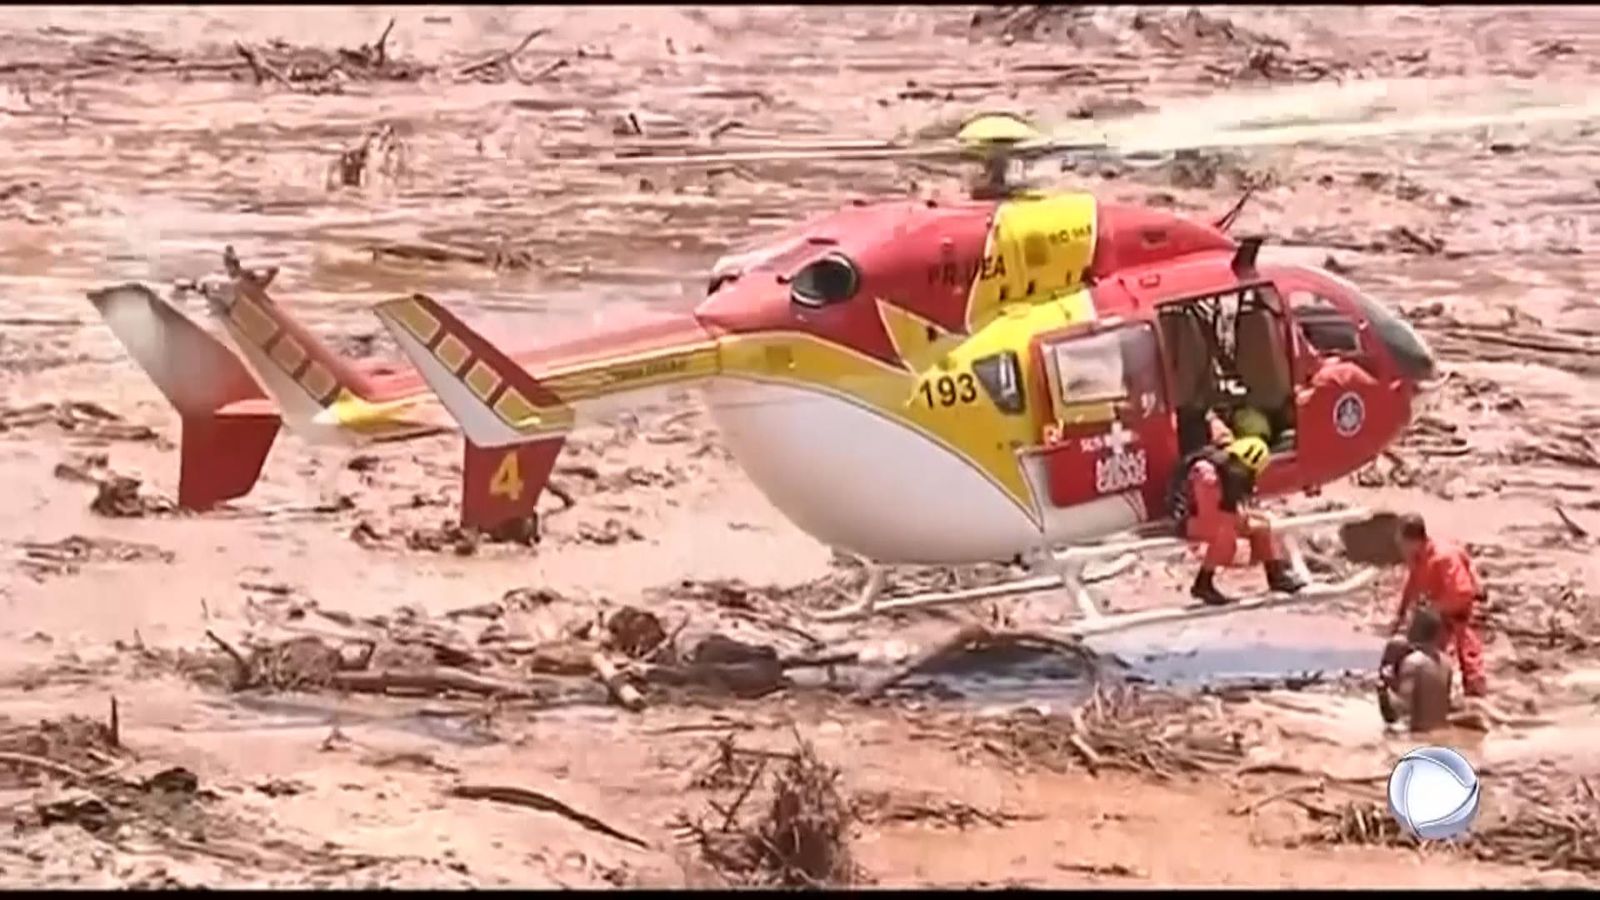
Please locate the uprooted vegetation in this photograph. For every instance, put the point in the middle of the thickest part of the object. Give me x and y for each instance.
(787, 823)
(272, 63)
(151, 823)
(1232, 52)
(41, 559)
(532, 646)
(447, 537)
(1119, 728)
(90, 780)
(77, 419)
(117, 496)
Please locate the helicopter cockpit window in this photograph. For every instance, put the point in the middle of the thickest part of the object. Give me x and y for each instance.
(825, 281)
(1326, 327)
(1001, 377)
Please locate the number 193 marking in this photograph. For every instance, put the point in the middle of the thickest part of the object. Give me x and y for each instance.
(947, 390)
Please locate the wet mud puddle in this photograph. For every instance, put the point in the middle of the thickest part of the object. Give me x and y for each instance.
(259, 713)
(1267, 650)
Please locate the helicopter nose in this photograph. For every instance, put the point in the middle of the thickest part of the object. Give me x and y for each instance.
(1410, 353)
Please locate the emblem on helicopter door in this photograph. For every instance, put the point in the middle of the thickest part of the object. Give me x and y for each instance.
(1125, 467)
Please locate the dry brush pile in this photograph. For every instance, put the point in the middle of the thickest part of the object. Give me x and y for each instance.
(1119, 728)
(787, 823)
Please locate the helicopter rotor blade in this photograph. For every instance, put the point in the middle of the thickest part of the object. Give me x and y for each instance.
(768, 156)
(1354, 112)
(1306, 114)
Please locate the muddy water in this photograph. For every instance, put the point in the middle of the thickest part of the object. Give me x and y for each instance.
(1252, 648)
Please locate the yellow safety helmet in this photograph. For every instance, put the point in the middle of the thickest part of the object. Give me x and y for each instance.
(1251, 422)
(1252, 451)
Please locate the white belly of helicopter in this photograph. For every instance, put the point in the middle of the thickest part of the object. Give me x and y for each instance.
(862, 483)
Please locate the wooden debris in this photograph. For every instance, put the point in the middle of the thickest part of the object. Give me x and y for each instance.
(1116, 870)
(503, 59)
(620, 690)
(119, 497)
(1573, 528)
(800, 838)
(78, 418)
(36, 762)
(73, 748)
(518, 796)
(943, 810)
(1157, 734)
(634, 632)
(427, 681)
(66, 556)
(261, 69)
(242, 669)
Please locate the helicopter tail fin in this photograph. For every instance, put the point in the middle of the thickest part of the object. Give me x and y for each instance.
(229, 424)
(301, 373)
(514, 426)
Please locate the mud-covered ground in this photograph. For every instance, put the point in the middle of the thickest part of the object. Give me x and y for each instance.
(322, 686)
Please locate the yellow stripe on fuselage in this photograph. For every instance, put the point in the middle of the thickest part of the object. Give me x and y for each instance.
(638, 371)
(976, 431)
(917, 341)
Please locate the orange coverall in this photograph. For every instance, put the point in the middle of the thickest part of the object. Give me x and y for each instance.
(1443, 573)
(1219, 529)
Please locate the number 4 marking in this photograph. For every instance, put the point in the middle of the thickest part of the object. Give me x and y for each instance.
(507, 480)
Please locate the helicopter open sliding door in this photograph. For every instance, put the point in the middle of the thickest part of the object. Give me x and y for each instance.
(1107, 428)
(1343, 409)
(1231, 351)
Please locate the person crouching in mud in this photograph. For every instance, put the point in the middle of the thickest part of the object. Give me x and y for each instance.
(1414, 678)
(1210, 503)
(1444, 574)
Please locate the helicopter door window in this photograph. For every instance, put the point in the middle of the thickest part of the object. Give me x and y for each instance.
(1087, 370)
(1001, 377)
(1120, 367)
(1324, 325)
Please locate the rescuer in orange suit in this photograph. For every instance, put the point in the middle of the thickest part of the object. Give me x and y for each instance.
(1211, 505)
(1442, 574)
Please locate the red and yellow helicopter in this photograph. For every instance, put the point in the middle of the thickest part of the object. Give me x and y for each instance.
(913, 382)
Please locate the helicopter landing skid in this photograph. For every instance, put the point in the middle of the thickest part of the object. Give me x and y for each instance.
(1071, 570)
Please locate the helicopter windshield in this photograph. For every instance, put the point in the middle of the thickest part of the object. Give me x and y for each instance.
(1415, 360)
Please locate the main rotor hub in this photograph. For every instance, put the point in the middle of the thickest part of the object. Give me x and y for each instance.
(994, 140)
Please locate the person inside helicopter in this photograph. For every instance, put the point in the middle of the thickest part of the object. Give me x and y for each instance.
(1264, 408)
(1261, 361)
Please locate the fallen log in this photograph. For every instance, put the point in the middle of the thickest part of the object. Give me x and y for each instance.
(433, 680)
(46, 765)
(517, 796)
(620, 690)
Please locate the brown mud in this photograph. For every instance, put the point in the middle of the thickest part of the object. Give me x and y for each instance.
(323, 686)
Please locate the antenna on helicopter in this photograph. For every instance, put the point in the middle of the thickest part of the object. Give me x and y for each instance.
(1226, 221)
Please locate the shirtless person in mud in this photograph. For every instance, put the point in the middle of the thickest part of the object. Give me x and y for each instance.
(1415, 678)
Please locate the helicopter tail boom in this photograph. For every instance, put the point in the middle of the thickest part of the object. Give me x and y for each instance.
(515, 423)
